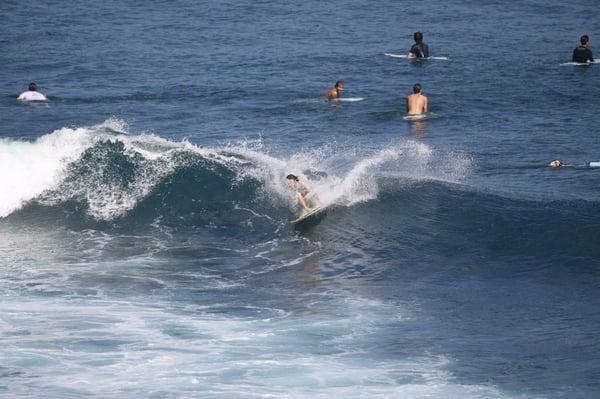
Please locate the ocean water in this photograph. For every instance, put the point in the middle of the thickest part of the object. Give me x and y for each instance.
(145, 243)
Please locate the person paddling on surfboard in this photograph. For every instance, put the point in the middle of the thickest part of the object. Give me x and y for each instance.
(336, 91)
(557, 163)
(304, 193)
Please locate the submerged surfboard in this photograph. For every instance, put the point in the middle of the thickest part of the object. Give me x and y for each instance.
(313, 215)
(419, 117)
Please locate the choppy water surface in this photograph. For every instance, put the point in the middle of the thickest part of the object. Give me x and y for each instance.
(145, 243)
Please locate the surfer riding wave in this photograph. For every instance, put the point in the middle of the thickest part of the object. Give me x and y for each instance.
(305, 194)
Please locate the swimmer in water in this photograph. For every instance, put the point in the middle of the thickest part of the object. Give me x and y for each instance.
(419, 49)
(336, 91)
(583, 54)
(304, 193)
(32, 94)
(416, 103)
(557, 163)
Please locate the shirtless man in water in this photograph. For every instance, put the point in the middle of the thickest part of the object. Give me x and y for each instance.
(416, 103)
(336, 91)
(304, 193)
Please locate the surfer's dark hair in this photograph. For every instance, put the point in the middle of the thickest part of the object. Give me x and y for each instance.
(292, 177)
(339, 82)
(417, 88)
(584, 39)
(418, 37)
(32, 86)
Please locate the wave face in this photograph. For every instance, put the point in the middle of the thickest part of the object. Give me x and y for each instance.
(108, 174)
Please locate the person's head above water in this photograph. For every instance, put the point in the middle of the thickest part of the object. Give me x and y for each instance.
(292, 177)
(339, 85)
(418, 36)
(417, 88)
(584, 40)
(32, 86)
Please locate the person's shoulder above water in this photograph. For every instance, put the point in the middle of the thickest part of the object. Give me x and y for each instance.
(32, 94)
(419, 49)
(583, 53)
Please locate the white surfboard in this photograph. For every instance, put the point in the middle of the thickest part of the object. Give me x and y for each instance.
(313, 213)
(427, 58)
(580, 63)
(350, 99)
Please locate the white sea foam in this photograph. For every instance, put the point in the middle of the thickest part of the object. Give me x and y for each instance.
(27, 169)
(358, 179)
(122, 349)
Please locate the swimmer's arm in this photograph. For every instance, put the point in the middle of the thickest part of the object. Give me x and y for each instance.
(426, 105)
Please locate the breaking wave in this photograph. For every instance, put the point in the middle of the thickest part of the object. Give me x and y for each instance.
(109, 173)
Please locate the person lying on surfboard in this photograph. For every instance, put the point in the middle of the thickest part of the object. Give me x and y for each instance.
(336, 91)
(304, 193)
(557, 163)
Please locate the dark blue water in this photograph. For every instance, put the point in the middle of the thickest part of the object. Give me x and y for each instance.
(145, 243)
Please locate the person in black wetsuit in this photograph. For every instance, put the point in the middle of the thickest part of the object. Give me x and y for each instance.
(583, 53)
(419, 49)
